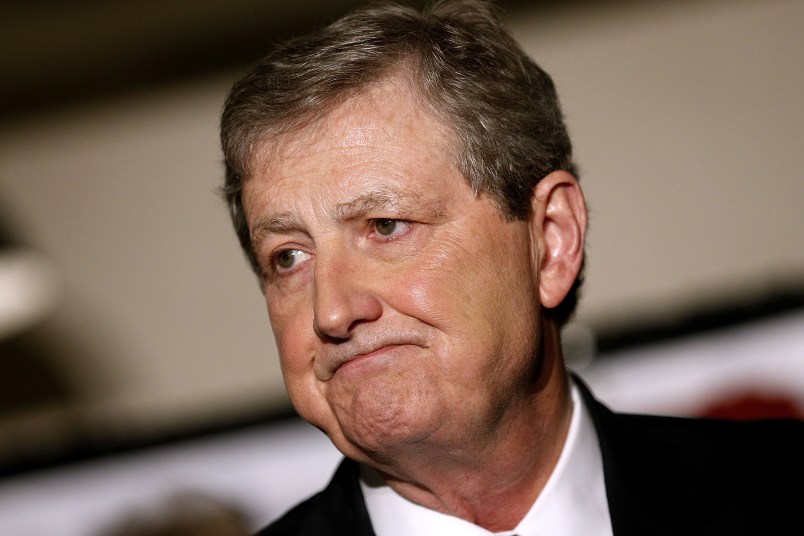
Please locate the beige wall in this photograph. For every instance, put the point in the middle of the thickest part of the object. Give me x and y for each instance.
(687, 122)
(688, 125)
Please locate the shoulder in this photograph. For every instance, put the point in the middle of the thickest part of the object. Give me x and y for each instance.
(338, 509)
(699, 476)
(722, 477)
(708, 443)
(712, 441)
(758, 453)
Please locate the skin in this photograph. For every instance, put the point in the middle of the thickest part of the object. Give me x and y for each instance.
(408, 314)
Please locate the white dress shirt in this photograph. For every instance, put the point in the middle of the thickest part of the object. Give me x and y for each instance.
(572, 503)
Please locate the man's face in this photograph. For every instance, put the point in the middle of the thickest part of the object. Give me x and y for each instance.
(404, 307)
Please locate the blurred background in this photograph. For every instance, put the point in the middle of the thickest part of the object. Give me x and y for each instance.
(138, 375)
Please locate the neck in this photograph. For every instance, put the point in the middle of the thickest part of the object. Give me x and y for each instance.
(493, 481)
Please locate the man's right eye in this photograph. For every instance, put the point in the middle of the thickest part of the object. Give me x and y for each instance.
(289, 258)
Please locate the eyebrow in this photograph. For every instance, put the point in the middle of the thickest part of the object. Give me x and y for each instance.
(379, 198)
(375, 200)
(280, 223)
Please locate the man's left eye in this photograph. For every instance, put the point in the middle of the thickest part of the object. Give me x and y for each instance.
(386, 227)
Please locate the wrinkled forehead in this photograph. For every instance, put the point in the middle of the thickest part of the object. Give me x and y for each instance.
(373, 115)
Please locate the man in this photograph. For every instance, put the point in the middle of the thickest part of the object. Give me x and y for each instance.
(402, 183)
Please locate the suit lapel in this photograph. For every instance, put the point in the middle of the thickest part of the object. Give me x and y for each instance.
(635, 506)
(344, 510)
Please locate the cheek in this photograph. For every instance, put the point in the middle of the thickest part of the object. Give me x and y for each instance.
(292, 326)
(457, 284)
(431, 295)
(483, 300)
(296, 343)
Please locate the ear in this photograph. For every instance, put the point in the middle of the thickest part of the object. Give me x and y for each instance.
(558, 232)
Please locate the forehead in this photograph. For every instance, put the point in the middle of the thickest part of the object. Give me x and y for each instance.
(383, 132)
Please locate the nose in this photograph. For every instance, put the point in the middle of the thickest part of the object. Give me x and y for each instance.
(343, 296)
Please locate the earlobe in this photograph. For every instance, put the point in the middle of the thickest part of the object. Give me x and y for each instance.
(558, 232)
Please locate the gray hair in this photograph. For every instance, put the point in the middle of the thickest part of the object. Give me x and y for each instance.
(501, 106)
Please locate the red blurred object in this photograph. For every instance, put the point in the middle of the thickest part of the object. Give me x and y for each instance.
(752, 406)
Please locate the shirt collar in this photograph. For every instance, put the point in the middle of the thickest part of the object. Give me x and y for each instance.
(572, 503)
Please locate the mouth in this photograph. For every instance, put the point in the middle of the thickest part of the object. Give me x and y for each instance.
(384, 351)
(331, 360)
(381, 351)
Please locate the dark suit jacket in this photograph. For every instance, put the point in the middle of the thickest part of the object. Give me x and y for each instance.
(664, 476)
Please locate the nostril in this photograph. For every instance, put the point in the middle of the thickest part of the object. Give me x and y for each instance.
(340, 310)
(331, 326)
(345, 294)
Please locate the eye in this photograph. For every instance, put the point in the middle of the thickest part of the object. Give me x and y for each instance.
(386, 227)
(390, 229)
(288, 258)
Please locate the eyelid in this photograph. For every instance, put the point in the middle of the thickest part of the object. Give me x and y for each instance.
(406, 228)
(277, 270)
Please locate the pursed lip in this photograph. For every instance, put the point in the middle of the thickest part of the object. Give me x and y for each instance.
(334, 356)
(374, 353)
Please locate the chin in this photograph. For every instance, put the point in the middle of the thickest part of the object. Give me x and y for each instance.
(378, 420)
